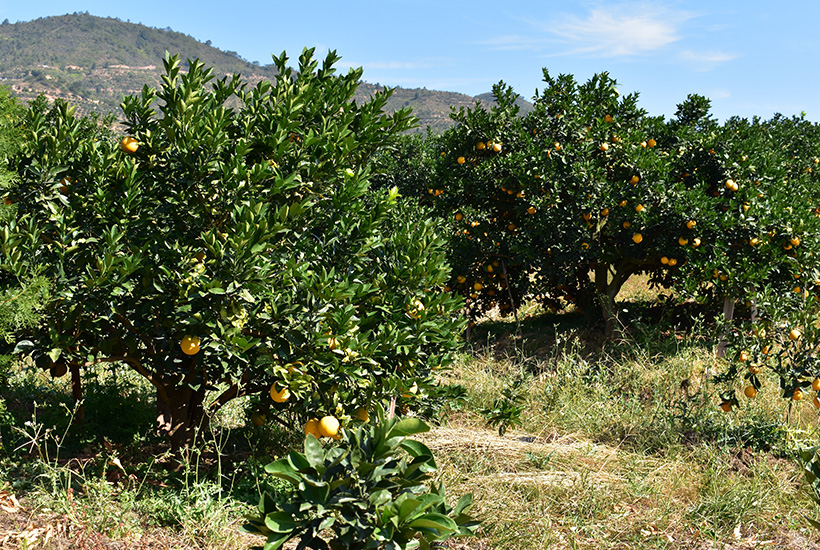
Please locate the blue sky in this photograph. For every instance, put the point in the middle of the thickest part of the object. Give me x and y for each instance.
(750, 58)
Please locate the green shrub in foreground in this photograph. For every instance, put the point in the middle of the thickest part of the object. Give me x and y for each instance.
(369, 491)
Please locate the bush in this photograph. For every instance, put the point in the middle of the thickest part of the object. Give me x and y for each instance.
(369, 491)
(229, 245)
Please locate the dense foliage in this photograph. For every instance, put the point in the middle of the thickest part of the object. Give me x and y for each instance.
(228, 245)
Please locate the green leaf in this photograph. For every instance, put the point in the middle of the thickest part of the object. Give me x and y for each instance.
(407, 426)
(438, 522)
(283, 469)
(280, 522)
(314, 453)
(416, 448)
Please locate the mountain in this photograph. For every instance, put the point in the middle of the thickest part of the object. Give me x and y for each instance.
(93, 61)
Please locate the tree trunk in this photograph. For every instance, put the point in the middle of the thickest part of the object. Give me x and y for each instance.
(728, 315)
(607, 290)
(181, 414)
(77, 392)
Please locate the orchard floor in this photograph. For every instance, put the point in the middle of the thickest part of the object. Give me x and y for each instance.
(533, 490)
(618, 445)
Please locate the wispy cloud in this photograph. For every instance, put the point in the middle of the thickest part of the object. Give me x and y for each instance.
(705, 60)
(618, 30)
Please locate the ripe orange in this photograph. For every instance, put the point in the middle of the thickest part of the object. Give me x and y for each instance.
(683, 242)
(754, 369)
(627, 225)
(743, 356)
(608, 118)
(672, 262)
(797, 395)
(461, 160)
(651, 142)
(605, 147)
(362, 414)
(459, 216)
(696, 242)
(478, 286)
(329, 426)
(794, 334)
(639, 208)
(795, 241)
(480, 145)
(190, 345)
(129, 144)
(664, 260)
(731, 185)
(816, 402)
(279, 396)
(634, 179)
(726, 406)
(754, 241)
(312, 428)
(750, 391)
(815, 384)
(637, 237)
(691, 224)
(497, 147)
(531, 210)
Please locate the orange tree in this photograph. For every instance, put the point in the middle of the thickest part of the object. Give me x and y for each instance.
(566, 203)
(228, 246)
(768, 258)
(562, 205)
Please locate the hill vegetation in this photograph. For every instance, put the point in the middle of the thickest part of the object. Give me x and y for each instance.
(93, 62)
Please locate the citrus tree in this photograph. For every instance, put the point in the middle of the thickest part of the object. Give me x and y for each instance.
(562, 205)
(22, 295)
(228, 245)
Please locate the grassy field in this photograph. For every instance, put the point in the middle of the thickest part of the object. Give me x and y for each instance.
(617, 445)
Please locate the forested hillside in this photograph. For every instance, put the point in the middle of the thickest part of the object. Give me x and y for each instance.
(93, 62)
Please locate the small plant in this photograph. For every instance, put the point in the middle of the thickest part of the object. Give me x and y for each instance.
(809, 460)
(368, 490)
(506, 410)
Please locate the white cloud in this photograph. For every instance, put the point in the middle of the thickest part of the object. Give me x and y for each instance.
(620, 30)
(705, 60)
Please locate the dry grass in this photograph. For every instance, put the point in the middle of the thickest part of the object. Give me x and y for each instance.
(627, 449)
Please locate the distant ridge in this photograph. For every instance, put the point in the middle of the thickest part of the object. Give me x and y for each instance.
(94, 61)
